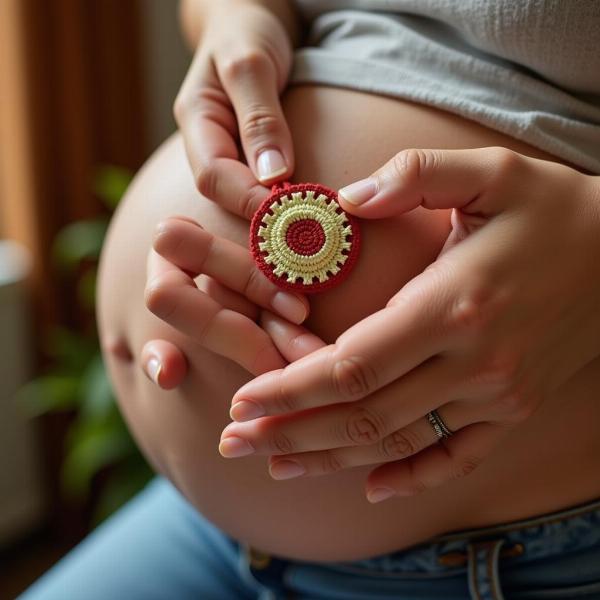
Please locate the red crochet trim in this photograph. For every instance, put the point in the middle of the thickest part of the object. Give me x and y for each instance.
(304, 237)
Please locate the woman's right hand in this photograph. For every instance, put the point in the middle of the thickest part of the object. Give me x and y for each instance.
(230, 97)
(210, 289)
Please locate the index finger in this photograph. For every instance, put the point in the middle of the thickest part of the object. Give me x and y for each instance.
(172, 296)
(365, 358)
(187, 245)
(209, 128)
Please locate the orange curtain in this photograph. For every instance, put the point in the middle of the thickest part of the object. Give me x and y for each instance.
(71, 98)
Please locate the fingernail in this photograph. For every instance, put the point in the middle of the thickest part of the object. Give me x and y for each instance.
(245, 410)
(286, 469)
(270, 164)
(289, 306)
(153, 369)
(359, 192)
(379, 494)
(234, 447)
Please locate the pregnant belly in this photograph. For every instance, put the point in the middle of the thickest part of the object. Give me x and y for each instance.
(339, 136)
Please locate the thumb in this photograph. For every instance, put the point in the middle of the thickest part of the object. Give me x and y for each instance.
(435, 179)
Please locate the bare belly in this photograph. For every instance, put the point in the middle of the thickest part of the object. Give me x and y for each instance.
(550, 462)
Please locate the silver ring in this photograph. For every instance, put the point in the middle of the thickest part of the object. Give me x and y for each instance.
(441, 429)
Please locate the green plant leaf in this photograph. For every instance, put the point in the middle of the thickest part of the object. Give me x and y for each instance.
(111, 183)
(79, 241)
(97, 400)
(49, 393)
(92, 447)
(86, 288)
(71, 351)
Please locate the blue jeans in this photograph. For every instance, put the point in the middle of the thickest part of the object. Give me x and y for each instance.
(159, 547)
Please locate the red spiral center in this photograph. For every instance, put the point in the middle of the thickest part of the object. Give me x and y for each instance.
(305, 237)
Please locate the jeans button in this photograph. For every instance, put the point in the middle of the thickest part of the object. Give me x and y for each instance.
(258, 559)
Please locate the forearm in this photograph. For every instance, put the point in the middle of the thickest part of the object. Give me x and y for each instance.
(194, 13)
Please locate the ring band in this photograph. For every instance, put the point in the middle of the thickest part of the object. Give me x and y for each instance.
(441, 429)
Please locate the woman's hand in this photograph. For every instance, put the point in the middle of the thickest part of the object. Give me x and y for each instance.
(231, 95)
(220, 310)
(507, 314)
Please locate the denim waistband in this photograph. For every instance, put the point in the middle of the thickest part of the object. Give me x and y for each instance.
(539, 537)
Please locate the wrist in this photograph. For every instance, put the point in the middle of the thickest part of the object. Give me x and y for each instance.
(194, 14)
(286, 13)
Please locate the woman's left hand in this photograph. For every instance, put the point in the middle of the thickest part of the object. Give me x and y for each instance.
(504, 316)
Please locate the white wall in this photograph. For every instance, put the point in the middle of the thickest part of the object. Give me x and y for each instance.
(20, 489)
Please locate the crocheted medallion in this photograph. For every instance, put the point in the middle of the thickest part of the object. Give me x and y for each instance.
(302, 239)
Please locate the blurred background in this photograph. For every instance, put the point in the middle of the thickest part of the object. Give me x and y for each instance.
(86, 90)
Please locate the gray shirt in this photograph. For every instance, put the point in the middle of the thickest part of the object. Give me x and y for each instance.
(527, 68)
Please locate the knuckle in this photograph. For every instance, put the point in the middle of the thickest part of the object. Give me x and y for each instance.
(259, 122)
(284, 402)
(209, 103)
(245, 63)
(504, 162)
(294, 346)
(250, 201)
(471, 312)
(330, 462)
(478, 307)
(166, 239)
(517, 405)
(412, 165)
(207, 179)
(465, 466)
(254, 284)
(363, 427)
(204, 103)
(157, 295)
(510, 403)
(400, 444)
(353, 377)
(280, 443)
(498, 370)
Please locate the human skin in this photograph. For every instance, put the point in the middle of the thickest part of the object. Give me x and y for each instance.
(328, 518)
(484, 334)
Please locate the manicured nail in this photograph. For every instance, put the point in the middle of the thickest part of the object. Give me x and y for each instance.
(289, 306)
(234, 447)
(270, 164)
(246, 410)
(359, 192)
(379, 494)
(153, 369)
(286, 469)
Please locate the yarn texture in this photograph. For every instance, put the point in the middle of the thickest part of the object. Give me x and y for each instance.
(302, 239)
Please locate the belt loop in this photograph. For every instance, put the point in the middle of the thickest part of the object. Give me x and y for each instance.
(484, 580)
